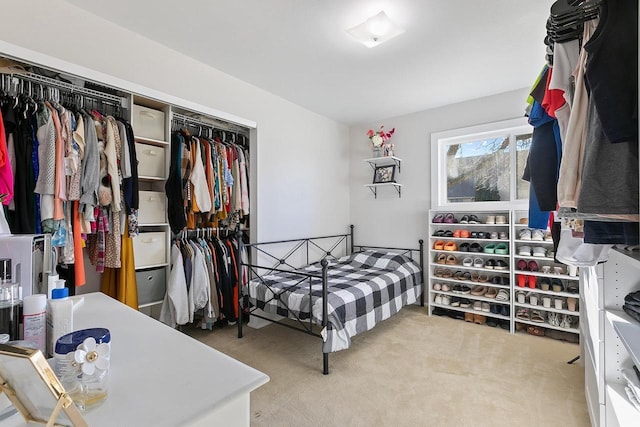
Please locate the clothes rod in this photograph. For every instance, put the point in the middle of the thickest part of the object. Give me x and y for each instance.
(47, 81)
(181, 118)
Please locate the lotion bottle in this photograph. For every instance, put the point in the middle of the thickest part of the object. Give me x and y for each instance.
(59, 317)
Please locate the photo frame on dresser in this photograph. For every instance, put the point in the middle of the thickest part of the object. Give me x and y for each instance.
(32, 387)
(384, 174)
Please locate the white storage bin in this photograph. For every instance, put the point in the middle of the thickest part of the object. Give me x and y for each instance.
(151, 284)
(150, 160)
(150, 248)
(153, 207)
(148, 123)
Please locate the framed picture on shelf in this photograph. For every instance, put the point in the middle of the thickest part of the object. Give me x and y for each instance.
(383, 174)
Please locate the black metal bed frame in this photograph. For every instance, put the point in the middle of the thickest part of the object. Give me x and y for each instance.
(303, 325)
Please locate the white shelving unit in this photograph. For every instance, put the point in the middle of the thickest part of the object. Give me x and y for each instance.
(610, 339)
(469, 276)
(568, 296)
(385, 161)
(152, 129)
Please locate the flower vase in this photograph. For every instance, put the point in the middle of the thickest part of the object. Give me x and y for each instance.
(377, 151)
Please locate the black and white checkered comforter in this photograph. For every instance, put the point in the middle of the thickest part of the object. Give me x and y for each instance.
(363, 289)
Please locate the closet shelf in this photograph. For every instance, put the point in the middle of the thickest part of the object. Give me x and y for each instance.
(623, 409)
(546, 309)
(151, 178)
(150, 224)
(144, 267)
(151, 141)
(629, 332)
(471, 310)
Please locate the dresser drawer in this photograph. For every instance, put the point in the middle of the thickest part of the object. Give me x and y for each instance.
(147, 122)
(152, 285)
(153, 207)
(150, 160)
(150, 248)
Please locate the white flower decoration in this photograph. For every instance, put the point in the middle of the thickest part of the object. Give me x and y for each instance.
(91, 356)
(376, 140)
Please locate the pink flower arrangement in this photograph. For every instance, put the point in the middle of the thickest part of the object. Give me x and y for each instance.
(379, 137)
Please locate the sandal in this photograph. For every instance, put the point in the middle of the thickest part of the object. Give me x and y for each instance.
(438, 218)
(490, 248)
(456, 233)
(536, 316)
(464, 219)
(465, 234)
(439, 233)
(447, 274)
(544, 284)
(533, 266)
(450, 246)
(475, 277)
(521, 297)
(478, 263)
(451, 260)
(491, 293)
(501, 249)
(522, 265)
(448, 233)
(466, 276)
(437, 286)
(557, 285)
(450, 219)
(446, 287)
(501, 265)
(438, 245)
(467, 262)
(483, 278)
(464, 247)
(473, 219)
(523, 314)
(534, 330)
(441, 259)
(572, 288)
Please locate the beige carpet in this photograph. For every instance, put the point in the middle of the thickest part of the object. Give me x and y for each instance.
(411, 370)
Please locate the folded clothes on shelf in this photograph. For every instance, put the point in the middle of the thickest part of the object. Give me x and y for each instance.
(632, 305)
(632, 387)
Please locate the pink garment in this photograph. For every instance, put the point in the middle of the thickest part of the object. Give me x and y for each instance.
(6, 173)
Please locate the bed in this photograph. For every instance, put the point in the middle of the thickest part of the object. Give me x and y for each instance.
(329, 287)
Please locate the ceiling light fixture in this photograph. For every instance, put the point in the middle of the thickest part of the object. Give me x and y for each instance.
(375, 30)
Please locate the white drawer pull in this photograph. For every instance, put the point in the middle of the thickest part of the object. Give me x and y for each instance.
(151, 152)
(152, 199)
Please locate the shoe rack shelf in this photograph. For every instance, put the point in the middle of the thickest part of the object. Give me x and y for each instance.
(507, 279)
(491, 277)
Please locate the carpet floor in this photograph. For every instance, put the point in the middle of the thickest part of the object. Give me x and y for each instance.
(411, 370)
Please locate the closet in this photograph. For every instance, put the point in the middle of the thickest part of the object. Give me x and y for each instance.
(149, 121)
(583, 107)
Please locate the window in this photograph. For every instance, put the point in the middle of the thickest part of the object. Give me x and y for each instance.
(483, 164)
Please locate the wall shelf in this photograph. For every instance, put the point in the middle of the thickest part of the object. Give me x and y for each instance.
(374, 188)
(386, 160)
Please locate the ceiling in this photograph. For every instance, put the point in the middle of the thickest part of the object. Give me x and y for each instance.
(452, 50)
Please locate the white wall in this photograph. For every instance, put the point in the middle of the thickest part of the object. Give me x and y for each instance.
(301, 157)
(389, 220)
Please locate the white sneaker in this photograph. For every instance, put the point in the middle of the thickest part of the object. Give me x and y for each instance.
(525, 234)
(537, 235)
(438, 299)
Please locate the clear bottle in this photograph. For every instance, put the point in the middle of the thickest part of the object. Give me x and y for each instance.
(10, 304)
(59, 317)
(34, 320)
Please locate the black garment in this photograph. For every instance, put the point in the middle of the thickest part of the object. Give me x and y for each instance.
(173, 187)
(225, 285)
(611, 71)
(130, 185)
(23, 219)
(540, 88)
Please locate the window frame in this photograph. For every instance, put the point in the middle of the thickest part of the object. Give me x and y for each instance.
(441, 140)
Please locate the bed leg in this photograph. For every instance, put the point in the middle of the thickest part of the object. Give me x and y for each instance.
(421, 244)
(325, 363)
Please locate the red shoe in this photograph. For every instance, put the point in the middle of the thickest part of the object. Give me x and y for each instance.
(522, 265)
(532, 282)
(521, 280)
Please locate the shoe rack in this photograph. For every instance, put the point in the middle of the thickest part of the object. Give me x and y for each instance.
(470, 266)
(489, 266)
(545, 293)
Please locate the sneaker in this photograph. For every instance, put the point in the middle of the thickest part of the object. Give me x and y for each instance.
(537, 235)
(525, 234)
